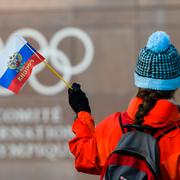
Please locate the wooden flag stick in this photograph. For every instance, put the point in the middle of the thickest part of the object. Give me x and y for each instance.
(56, 74)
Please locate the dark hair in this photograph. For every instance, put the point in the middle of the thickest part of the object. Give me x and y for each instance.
(149, 100)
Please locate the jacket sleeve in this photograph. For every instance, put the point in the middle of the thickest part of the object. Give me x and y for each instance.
(170, 155)
(92, 145)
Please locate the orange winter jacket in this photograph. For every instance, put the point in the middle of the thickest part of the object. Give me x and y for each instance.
(92, 145)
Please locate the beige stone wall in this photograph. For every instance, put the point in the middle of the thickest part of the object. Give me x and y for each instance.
(70, 4)
(118, 30)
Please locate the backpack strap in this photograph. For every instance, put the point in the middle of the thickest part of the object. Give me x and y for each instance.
(124, 120)
(127, 125)
(165, 130)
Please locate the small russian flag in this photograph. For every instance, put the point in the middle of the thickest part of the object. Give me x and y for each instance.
(16, 63)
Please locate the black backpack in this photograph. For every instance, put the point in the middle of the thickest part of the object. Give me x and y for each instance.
(136, 156)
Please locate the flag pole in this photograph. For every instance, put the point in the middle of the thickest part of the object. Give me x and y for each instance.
(48, 66)
(56, 74)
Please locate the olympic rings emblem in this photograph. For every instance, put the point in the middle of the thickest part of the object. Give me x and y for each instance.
(56, 57)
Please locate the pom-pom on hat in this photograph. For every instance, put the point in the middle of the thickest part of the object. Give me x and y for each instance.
(158, 64)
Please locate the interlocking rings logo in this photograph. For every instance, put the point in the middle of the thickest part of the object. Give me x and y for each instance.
(57, 58)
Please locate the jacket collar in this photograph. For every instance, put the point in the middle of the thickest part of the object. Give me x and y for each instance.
(163, 113)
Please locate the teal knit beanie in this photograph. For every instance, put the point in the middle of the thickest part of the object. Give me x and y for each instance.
(158, 64)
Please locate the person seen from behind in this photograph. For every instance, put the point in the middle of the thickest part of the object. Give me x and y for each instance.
(157, 77)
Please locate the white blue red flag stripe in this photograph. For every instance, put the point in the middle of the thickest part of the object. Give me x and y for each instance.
(16, 63)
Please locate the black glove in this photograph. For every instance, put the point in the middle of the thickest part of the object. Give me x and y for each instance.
(77, 99)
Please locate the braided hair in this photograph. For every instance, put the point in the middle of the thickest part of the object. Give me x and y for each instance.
(150, 98)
